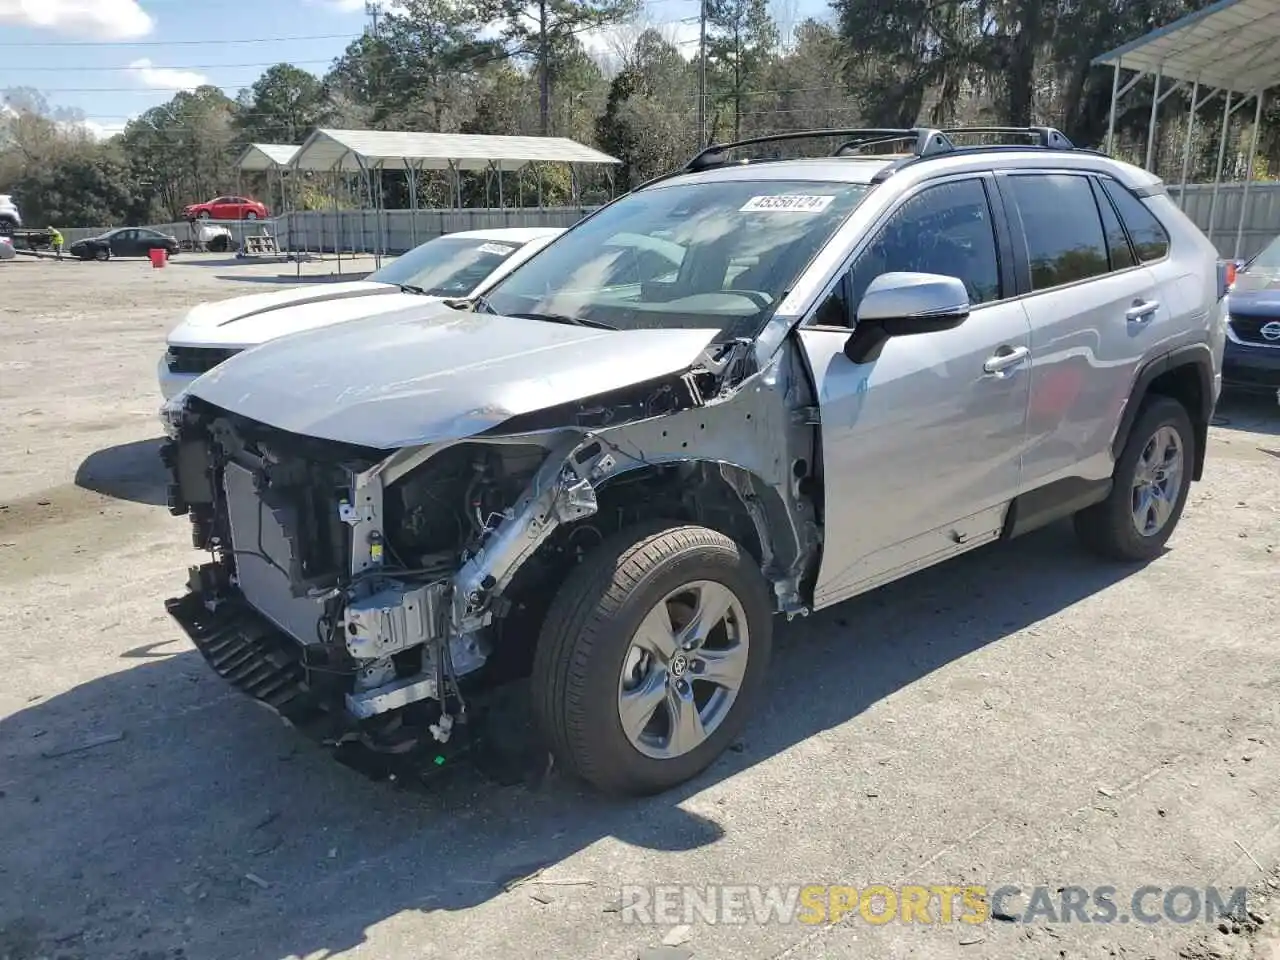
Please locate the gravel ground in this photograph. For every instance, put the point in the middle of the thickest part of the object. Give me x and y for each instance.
(1022, 715)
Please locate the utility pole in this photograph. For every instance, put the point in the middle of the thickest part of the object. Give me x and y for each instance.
(544, 87)
(372, 10)
(702, 74)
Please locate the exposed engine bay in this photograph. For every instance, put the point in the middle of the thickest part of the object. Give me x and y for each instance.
(389, 587)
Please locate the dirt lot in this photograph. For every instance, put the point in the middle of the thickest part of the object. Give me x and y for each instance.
(1021, 716)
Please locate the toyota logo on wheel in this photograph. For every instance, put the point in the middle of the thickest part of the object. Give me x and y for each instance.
(1271, 331)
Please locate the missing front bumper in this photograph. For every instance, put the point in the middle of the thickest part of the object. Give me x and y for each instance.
(250, 654)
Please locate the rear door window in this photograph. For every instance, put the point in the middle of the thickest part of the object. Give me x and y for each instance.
(1149, 237)
(1062, 226)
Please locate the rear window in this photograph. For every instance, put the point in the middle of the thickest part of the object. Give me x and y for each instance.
(1148, 236)
(448, 266)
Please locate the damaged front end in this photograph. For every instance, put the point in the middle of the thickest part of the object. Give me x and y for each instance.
(381, 589)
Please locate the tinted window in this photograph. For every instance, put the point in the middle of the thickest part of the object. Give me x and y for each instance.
(1064, 235)
(943, 229)
(1149, 237)
(1117, 243)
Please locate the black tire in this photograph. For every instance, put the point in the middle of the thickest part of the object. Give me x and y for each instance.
(1108, 528)
(251, 215)
(102, 253)
(204, 215)
(7, 226)
(588, 632)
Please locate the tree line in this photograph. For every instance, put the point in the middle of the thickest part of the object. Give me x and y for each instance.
(440, 65)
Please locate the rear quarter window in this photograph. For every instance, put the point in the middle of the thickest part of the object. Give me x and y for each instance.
(1150, 239)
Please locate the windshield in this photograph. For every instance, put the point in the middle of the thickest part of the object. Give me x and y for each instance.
(447, 266)
(720, 254)
(1268, 261)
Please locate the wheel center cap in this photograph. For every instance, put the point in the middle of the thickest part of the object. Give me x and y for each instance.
(679, 664)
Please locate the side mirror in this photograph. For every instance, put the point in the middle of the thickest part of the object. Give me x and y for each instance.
(901, 304)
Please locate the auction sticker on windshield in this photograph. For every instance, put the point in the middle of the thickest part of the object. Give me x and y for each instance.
(786, 203)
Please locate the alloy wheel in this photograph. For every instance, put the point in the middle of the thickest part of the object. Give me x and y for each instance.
(683, 670)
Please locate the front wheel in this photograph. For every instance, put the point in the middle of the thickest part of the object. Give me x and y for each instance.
(205, 215)
(102, 253)
(251, 215)
(651, 656)
(1149, 486)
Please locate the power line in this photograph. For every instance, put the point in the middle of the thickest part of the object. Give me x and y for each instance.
(174, 43)
(182, 66)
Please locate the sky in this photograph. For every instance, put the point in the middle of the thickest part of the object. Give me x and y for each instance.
(114, 59)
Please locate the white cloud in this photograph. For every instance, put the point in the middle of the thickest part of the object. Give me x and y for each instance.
(101, 130)
(352, 6)
(166, 78)
(612, 44)
(98, 19)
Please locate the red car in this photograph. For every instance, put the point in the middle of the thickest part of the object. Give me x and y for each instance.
(226, 208)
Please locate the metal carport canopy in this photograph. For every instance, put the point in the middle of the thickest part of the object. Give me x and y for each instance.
(1231, 45)
(352, 151)
(258, 157)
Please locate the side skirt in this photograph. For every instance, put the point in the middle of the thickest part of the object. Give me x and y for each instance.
(1051, 503)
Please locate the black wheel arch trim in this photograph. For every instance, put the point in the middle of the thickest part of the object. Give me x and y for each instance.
(1196, 355)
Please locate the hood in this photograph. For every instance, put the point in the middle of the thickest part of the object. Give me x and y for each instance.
(1256, 294)
(432, 374)
(248, 321)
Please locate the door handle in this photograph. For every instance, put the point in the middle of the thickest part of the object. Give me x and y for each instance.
(1142, 311)
(1000, 362)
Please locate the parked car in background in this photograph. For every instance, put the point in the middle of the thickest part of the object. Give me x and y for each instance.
(226, 208)
(454, 265)
(6, 249)
(124, 242)
(10, 218)
(1252, 359)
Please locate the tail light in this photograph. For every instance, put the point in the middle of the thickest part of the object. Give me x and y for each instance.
(1226, 277)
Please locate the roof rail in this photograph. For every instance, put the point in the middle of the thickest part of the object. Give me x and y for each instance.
(923, 142)
(1047, 137)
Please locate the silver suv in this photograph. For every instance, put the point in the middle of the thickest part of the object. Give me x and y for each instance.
(753, 387)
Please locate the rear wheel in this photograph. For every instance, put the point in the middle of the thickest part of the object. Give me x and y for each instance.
(1149, 486)
(651, 656)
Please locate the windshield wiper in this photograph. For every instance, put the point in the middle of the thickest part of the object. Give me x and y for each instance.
(477, 304)
(410, 288)
(562, 318)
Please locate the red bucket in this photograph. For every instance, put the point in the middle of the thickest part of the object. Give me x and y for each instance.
(159, 256)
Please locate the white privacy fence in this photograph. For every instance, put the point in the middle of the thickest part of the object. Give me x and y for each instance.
(1261, 222)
